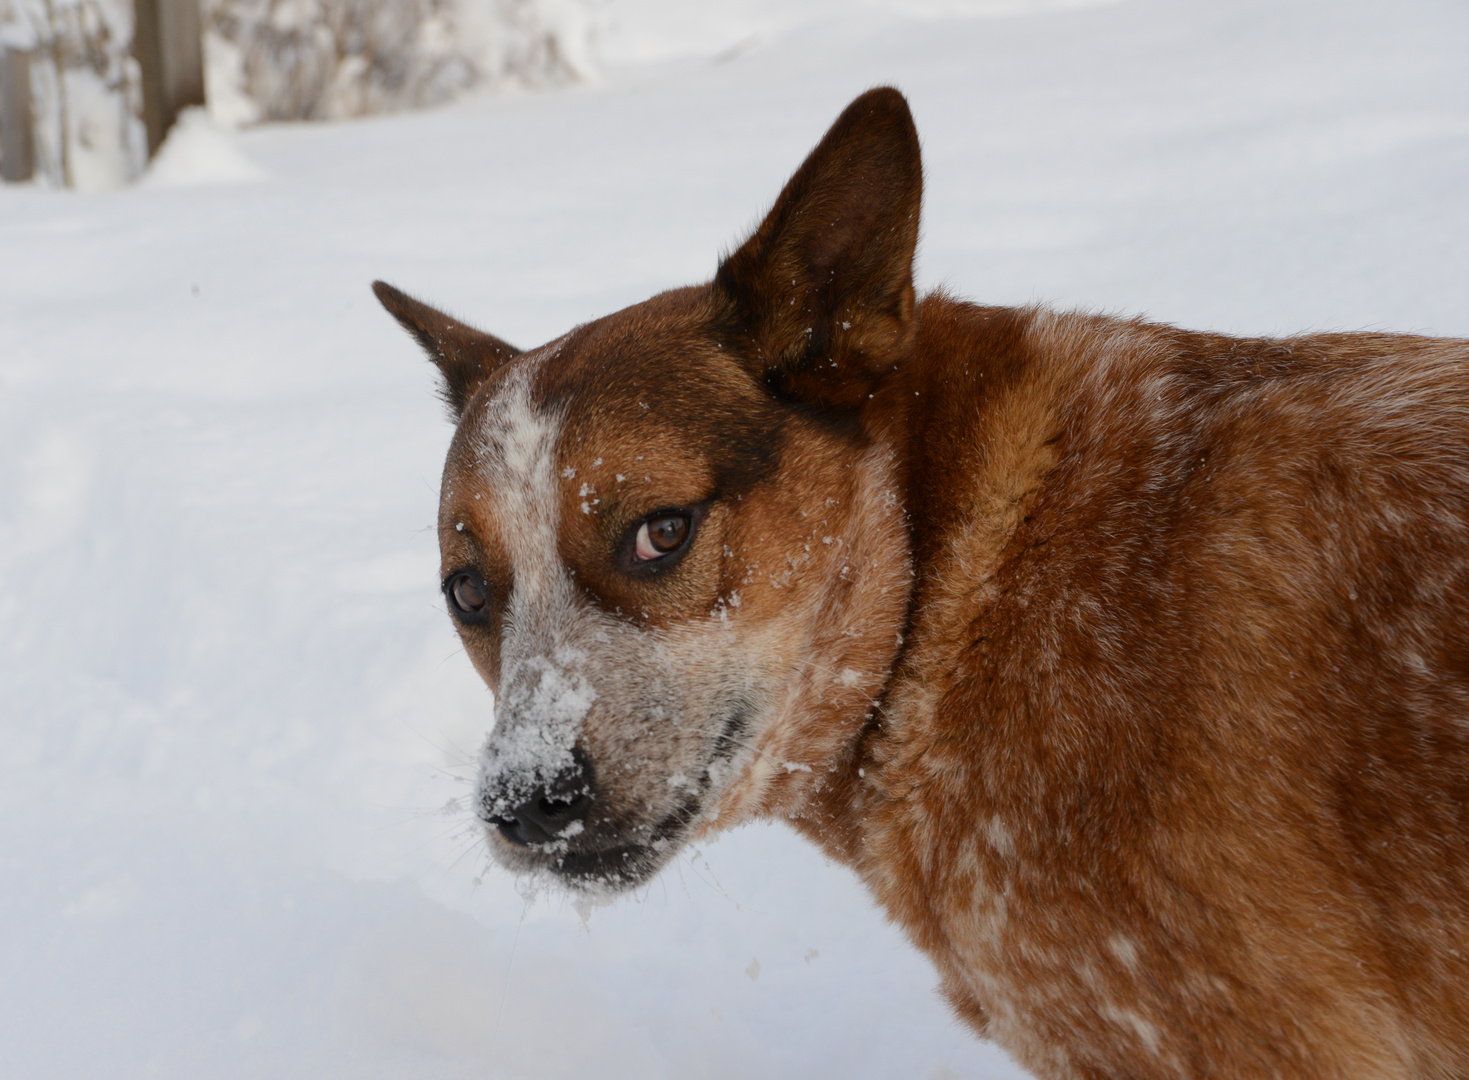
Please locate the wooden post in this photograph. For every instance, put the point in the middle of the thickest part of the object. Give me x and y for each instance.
(168, 42)
(17, 137)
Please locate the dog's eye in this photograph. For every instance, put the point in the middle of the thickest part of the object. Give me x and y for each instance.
(468, 594)
(661, 535)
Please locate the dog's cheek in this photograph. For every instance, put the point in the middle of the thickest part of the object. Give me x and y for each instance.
(784, 536)
(483, 649)
(660, 708)
(482, 646)
(632, 726)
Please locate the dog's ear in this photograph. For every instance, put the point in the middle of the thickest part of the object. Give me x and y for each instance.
(466, 357)
(823, 290)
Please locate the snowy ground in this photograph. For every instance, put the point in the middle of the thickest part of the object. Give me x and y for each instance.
(235, 718)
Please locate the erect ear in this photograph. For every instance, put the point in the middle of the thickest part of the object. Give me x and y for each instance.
(823, 291)
(466, 357)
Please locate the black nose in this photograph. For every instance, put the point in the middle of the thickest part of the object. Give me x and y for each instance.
(550, 811)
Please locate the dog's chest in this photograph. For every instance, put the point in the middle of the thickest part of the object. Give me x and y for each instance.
(1029, 948)
(974, 843)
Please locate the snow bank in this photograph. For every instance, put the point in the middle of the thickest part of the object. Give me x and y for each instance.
(328, 59)
(196, 151)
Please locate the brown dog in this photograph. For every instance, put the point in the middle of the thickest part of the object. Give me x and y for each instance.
(1125, 665)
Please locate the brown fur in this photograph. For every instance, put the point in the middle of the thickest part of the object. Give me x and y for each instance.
(1124, 664)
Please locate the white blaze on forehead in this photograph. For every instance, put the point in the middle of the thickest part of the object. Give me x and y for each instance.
(544, 692)
(516, 456)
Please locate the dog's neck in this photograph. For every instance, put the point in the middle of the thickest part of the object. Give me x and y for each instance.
(969, 420)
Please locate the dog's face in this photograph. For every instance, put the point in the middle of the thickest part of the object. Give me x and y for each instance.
(670, 542)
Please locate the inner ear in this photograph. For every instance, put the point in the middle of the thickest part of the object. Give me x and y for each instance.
(466, 357)
(823, 290)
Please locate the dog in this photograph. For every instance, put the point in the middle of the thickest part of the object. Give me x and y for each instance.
(1126, 666)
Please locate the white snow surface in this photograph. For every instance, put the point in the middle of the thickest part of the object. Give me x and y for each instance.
(237, 729)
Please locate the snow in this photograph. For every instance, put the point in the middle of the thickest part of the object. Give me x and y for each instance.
(197, 151)
(238, 734)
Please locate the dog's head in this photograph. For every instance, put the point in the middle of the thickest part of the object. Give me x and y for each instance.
(673, 540)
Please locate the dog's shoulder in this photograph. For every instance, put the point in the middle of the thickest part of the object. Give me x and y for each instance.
(1104, 503)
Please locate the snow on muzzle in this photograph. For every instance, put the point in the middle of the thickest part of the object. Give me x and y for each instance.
(535, 784)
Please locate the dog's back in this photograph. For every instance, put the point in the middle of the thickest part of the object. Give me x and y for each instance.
(1177, 766)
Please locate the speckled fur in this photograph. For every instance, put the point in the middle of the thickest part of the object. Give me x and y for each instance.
(1125, 665)
(1172, 774)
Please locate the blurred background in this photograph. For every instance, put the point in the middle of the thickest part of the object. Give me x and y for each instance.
(236, 730)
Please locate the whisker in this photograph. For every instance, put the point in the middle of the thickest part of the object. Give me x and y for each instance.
(509, 964)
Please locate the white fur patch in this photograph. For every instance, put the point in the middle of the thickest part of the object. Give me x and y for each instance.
(544, 692)
(1123, 948)
(1146, 1031)
(999, 837)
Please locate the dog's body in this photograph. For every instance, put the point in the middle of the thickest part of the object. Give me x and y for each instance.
(1124, 664)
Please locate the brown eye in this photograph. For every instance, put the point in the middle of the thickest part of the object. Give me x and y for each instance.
(660, 535)
(468, 594)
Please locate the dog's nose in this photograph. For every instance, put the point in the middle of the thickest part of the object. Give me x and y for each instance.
(551, 812)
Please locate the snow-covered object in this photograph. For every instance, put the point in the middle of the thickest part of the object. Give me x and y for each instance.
(86, 89)
(327, 59)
